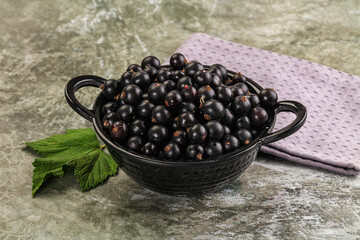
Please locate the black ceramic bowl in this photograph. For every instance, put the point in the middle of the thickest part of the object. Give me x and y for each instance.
(184, 178)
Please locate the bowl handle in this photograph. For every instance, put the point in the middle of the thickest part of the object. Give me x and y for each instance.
(287, 106)
(75, 84)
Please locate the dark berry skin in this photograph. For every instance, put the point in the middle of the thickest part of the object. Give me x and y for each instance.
(173, 100)
(131, 94)
(160, 115)
(268, 97)
(192, 67)
(158, 134)
(227, 130)
(183, 82)
(144, 109)
(180, 137)
(126, 113)
(215, 81)
(163, 75)
(243, 122)
(176, 75)
(224, 94)
(202, 78)
(222, 70)
(240, 106)
(135, 143)
(188, 107)
(177, 61)
(254, 99)
(205, 93)
(244, 136)
(134, 68)
(214, 129)
(237, 91)
(213, 110)
(175, 125)
(169, 85)
(125, 79)
(157, 92)
(215, 71)
(137, 127)
(172, 151)
(197, 133)
(230, 143)
(239, 78)
(189, 93)
(186, 120)
(119, 131)
(149, 149)
(153, 72)
(111, 88)
(109, 107)
(228, 118)
(259, 117)
(243, 87)
(253, 132)
(119, 101)
(142, 80)
(195, 151)
(151, 61)
(213, 149)
(108, 120)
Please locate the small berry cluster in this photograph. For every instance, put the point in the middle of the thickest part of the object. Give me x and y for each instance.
(183, 112)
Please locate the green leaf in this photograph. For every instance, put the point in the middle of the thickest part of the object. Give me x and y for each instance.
(78, 148)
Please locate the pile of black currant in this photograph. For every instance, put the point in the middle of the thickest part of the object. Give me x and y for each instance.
(183, 112)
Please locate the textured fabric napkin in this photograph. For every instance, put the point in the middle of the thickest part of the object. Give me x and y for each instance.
(330, 137)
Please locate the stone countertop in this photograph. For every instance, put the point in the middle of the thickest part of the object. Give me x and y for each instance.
(45, 43)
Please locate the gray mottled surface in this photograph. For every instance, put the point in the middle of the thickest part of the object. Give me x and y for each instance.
(44, 43)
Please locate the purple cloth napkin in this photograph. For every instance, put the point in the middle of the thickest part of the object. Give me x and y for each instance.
(330, 137)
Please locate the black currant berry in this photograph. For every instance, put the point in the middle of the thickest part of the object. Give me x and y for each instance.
(137, 127)
(177, 61)
(213, 149)
(243, 122)
(131, 94)
(183, 82)
(202, 78)
(126, 113)
(188, 107)
(173, 100)
(205, 93)
(186, 120)
(230, 143)
(158, 134)
(149, 149)
(151, 61)
(222, 70)
(110, 88)
(239, 78)
(125, 79)
(197, 133)
(180, 137)
(135, 143)
(254, 99)
(169, 85)
(192, 67)
(176, 75)
(153, 72)
(244, 136)
(172, 151)
(215, 71)
(259, 117)
(215, 81)
(156, 92)
(228, 118)
(268, 97)
(189, 93)
(163, 75)
(134, 68)
(142, 80)
(227, 130)
(195, 151)
(236, 91)
(160, 115)
(119, 131)
(240, 106)
(224, 94)
(108, 120)
(214, 129)
(109, 107)
(144, 109)
(243, 87)
(213, 110)
(119, 101)
(175, 125)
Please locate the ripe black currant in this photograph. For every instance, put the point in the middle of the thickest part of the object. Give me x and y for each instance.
(134, 68)
(180, 137)
(151, 61)
(227, 130)
(188, 107)
(214, 129)
(230, 143)
(213, 149)
(197, 133)
(259, 117)
(183, 82)
(108, 120)
(243, 87)
(172, 151)
(228, 119)
(239, 78)
(189, 93)
(137, 127)
(222, 70)
(160, 115)
(202, 78)
(205, 93)
(125, 79)
(109, 107)
(192, 67)
(215, 81)
(177, 61)
(176, 75)
(111, 88)
(243, 122)
(241, 106)
(156, 92)
(268, 97)
(244, 136)
(142, 80)
(149, 149)
(195, 151)
(173, 100)
(153, 72)
(158, 134)
(169, 85)
(144, 109)
(163, 75)
(126, 112)
(131, 94)
(186, 120)
(224, 94)
(254, 99)
(135, 143)
(213, 110)
(119, 131)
